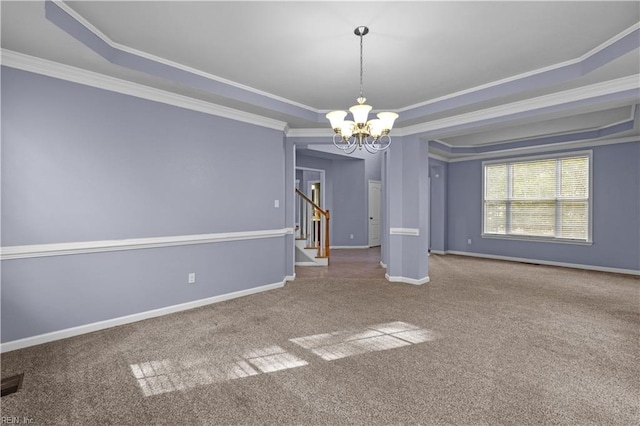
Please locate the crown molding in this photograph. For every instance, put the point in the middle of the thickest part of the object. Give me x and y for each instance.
(89, 26)
(328, 133)
(610, 42)
(542, 149)
(533, 105)
(89, 78)
(535, 140)
(439, 157)
(310, 133)
(607, 44)
(604, 53)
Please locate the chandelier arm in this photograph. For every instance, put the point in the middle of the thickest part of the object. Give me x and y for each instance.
(344, 147)
(376, 146)
(347, 145)
(382, 147)
(350, 145)
(337, 143)
(370, 147)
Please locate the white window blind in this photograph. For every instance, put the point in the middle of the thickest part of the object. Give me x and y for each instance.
(544, 198)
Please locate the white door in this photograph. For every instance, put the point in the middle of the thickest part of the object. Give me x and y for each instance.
(375, 198)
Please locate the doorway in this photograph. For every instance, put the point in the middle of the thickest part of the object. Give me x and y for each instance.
(375, 201)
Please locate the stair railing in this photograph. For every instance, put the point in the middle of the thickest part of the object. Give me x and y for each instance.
(314, 225)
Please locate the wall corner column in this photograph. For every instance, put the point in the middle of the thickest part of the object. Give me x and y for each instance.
(407, 211)
(289, 206)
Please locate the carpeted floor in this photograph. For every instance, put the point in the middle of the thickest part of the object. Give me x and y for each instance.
(484, 343)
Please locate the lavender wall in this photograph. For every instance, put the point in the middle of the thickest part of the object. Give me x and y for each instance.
(350, 209)
(346, 195)
(406, 193)
(83, 164)
(616, 214)
(438, 171)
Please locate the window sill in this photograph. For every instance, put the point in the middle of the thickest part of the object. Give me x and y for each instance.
(537, 239)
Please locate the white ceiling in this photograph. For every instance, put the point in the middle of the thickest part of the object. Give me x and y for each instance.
(305, 55)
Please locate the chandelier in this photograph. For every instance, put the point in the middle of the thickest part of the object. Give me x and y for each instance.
(360, 132)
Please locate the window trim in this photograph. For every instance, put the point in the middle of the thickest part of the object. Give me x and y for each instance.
(532, 238)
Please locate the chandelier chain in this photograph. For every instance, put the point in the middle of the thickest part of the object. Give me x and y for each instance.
(361, 67)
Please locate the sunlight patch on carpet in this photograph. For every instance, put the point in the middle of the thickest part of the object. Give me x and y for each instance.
(380, 337)
(273, 359)
(163, 376)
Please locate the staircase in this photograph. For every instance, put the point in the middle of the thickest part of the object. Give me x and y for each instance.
(312, 233)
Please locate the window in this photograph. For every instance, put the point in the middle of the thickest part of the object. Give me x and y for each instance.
(543, 198)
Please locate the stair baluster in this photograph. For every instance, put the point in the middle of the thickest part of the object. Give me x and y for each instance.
(314, 225)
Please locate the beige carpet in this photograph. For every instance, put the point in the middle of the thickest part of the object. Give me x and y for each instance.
(484, 343)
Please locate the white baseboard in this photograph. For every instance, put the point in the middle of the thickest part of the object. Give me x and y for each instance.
(308, 264)
(101, 325)
(348, 247)
(384, 265)
(407, 280)
(290, 278)
(439, 252)
(546, 262)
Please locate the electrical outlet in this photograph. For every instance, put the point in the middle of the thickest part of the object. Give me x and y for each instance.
(192, 277)
(351, 236)
(469, 241)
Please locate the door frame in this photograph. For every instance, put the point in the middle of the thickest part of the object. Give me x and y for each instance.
(310, 184)
(322, 184)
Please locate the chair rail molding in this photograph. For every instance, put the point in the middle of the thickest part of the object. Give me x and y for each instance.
(62, 249)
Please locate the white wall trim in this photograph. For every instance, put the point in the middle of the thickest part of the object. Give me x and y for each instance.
(413, 232)
(534, 138)
(290, 278)
(384, 265)
(61, 249)
(524, 75)
(88, 25)
(89, 78)
(547, 262)
(348, 247)
(526, 105)
(438, 251)
(439, 157)
(101, 325)
(407, 280)
(324, 132)
(541, 149)
(535, 105)
(80, 19)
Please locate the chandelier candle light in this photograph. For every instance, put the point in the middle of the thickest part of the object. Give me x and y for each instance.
(373, 135)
